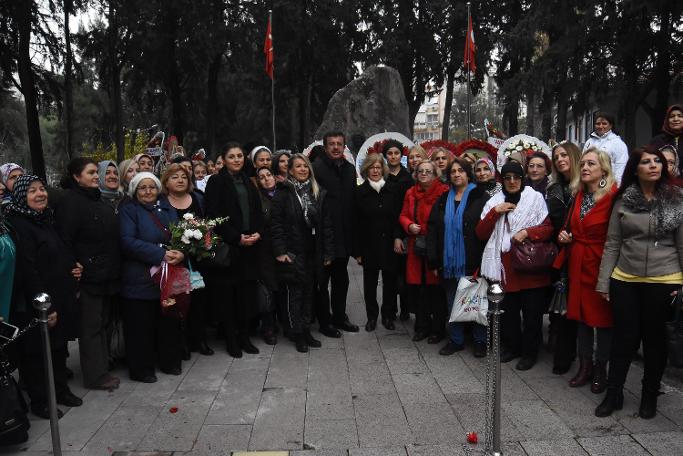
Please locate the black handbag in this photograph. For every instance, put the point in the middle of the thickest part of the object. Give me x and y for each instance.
(220, 257)
(14, 423)
(674, 334)
(420, 246)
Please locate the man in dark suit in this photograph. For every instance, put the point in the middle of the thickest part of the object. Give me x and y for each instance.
(338, 177)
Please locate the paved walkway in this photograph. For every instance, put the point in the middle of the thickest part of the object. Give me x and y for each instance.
(368, 394)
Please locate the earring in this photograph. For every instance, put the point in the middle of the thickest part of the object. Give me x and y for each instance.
(602, 183)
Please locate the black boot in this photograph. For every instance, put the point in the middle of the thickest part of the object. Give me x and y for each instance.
(648, 404)
(233, 346)
(310, 341)
(614, 400)
(247, 346)
(301, 345)
(599, 377)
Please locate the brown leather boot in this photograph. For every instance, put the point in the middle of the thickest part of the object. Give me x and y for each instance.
(585, 373)
(599, 377)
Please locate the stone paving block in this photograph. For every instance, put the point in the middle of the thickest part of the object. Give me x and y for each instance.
(279, 423)
(247, 362)
(535, 421)
(206, 374)
(508, 449)
(637, 425)
(124, 430)
(339, 434)
(562, 447)
(417, 388)
(288, 368)
(574, 408)
(154, 394)
(238, 399)
(220, 440)
(405, 361)
(329, 405)
(381, 421)
(661, 443)
(469, 409)
(618, 445)
(80, 423)
(322, 452)
(386, 451)
(433, 423)
(391, 341)
(457, 377)
(178, 431)
(371, 379)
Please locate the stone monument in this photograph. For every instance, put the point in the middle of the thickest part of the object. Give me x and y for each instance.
(372, 103)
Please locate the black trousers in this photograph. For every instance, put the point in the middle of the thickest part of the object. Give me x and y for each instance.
(402, 287)
(337, 277)
(640, 310)
(93, 341)
(197, 318)
(430, 309)
(565, 342)
(370, 279)
(32, 373)
(298, 298)
(524, 336)
(150, 336)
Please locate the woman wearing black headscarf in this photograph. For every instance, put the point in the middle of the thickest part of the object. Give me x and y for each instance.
(44, 265)
(89, 226)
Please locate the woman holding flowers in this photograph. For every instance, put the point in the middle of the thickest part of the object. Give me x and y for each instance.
(178, 189)
(149, 335)
(230, 193)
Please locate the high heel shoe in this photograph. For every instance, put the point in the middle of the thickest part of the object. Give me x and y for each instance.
(614, 400)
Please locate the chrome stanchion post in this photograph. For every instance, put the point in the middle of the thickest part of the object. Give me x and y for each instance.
(42, 302)
(495, 294)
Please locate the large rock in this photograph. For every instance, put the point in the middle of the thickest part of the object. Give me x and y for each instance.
(373, 103)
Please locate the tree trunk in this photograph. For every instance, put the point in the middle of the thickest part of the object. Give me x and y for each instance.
(663, 65)
(28, 87)
(212, 103)
(446, 124)
(562, 103)
(530, 110)
(173, 76)
(305, 113)
(68, 89)
(546, 115)
(510, 119)
(115, 75)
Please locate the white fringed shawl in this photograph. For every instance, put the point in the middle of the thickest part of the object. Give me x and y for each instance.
(531, 210)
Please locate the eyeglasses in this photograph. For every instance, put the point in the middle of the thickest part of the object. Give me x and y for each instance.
(425, 171)
(511, 177)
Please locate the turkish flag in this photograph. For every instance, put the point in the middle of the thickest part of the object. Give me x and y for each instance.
(470, 48)
(268, 51)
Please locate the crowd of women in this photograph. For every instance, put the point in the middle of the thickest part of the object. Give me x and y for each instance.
(94, 247)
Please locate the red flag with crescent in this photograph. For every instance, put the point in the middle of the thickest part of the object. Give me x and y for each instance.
(268, 51)
(470, 48)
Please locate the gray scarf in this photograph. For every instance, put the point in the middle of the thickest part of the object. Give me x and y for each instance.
(304, 192)
(667, 206)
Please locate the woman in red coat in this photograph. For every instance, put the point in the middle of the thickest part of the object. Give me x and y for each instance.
(584, 235)
(430, 307)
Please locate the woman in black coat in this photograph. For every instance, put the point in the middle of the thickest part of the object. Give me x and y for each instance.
(89, 226)
(303, 245)
(230, 193)
(377, 238)
(462, 188)
(44, 265)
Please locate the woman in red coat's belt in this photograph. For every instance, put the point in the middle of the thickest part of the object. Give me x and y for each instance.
(584, 237)
(430, 305)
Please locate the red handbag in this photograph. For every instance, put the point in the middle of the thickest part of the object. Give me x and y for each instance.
(533, 256)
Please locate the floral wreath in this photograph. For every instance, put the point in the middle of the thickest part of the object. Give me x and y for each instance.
(378, 147)
(477, 144)
(524, 145)
(431, 146)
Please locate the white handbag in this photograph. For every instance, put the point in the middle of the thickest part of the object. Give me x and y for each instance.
(471, 302)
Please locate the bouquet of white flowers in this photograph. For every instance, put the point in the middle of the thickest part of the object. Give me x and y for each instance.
(194, 236)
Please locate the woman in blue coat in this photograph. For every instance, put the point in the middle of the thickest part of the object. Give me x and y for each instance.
(144, 226)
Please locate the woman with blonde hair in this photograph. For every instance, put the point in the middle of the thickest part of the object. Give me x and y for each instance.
(583, 236)
(302, 245)
(415, 156)
(442, 158)
(377, 238)
(565, 158)
(127, 171)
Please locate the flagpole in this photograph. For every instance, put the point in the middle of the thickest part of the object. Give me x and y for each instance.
(272, 81)
(469, 104)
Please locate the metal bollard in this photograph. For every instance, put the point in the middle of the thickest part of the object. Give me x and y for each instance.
(42, 302)
(495, 294)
